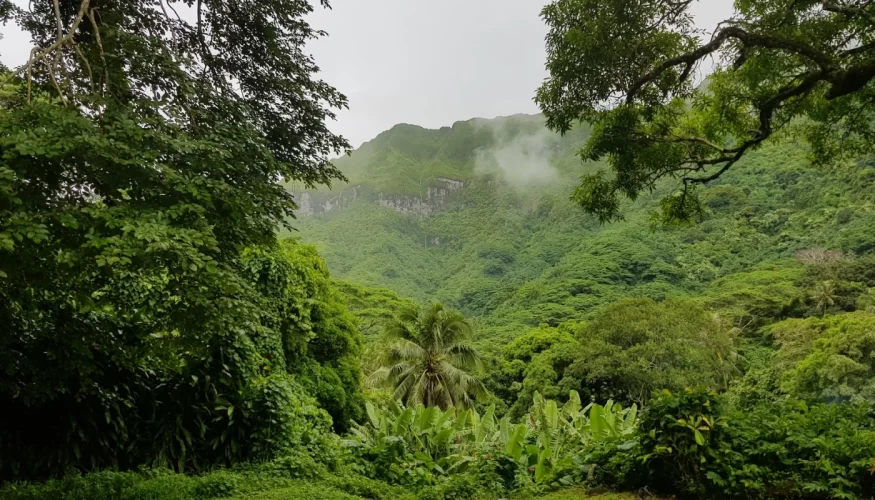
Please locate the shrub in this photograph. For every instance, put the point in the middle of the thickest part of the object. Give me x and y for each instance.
(457, 487)
(829, 358)
(690, 446)
(282, 416)
(638, 346)
(152, 485)
(791, 450)
(96, 486)
(679, 433)
(613, 464)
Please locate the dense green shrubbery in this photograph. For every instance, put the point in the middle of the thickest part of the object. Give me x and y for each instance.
(137, 198)
(626, 352)
(689, 444)
(245, 395)
(306, 328)
(533, 362)
(460, 450)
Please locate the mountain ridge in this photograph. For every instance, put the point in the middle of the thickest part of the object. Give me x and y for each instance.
(512, 251)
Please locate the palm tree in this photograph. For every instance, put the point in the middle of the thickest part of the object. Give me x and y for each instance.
(427, 358)
(824, 296)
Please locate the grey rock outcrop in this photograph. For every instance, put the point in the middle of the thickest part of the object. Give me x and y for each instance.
(435, 198)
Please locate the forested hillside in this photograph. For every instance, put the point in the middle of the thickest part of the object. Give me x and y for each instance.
(661, 287)
(512, 250)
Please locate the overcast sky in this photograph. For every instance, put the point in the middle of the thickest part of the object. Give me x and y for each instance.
(432, 63)
(426, 62)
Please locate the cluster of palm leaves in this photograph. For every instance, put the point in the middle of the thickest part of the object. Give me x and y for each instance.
(428, 359)
(446, 440)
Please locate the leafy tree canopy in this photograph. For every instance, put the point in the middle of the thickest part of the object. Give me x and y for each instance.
(373, 307)
(534, 362)
(628, 68)
(753, 298)
(637, 346)
(828, 358)
(306, 328)
(140, 155)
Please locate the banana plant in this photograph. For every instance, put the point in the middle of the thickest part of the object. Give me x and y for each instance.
(513, 438)
(558, 429)
(433, 432)
(444, 440)
(484, 428)
(611, 421)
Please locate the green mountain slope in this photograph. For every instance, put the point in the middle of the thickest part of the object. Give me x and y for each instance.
(508, 247)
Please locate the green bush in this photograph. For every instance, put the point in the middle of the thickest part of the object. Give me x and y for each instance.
(828, 359)
(220, 484)
(192, 406)
(283, 416)
(636, 347)
(612, 464)
(690, 445)
(95, 486)
(365, 487)
(290, 477)
(151, 485)
(306, 327)
(678, 435)
(791, 450)
(299, 464)
(458, 487)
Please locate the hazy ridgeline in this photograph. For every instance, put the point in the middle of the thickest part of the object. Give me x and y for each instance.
(511, 250)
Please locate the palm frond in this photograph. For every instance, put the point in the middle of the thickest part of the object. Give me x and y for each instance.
(463, 356)
(426, 358)
(405, 384)
(399, 330)
(461, 383)
(377, 378)
(457, 329)
(405, 351)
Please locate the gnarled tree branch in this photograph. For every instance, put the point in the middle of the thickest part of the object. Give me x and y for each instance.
(766, 113)
(55, 48)
(848, 10)
(722, 36)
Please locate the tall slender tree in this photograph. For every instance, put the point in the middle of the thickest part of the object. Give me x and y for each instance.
(824, 295)
(427, 358)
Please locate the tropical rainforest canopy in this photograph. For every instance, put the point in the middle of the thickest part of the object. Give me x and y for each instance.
(198, 301)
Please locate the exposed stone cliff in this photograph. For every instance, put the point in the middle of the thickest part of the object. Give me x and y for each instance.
(434, 198)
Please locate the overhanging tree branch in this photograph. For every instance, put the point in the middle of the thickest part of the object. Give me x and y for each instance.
(725, 34)
(848, 10)
(809, 60)
(766, 113)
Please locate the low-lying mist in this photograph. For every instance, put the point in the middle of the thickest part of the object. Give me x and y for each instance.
(520, 155)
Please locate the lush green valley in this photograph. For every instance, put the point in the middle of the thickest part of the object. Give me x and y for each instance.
(755, 300)
(661, 287)
(515, 256)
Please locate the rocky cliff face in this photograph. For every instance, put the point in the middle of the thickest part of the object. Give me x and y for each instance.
(435, 197)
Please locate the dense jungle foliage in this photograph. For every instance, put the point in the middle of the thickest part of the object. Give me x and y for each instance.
(767, 302)
(149, 314)
(190, 309)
